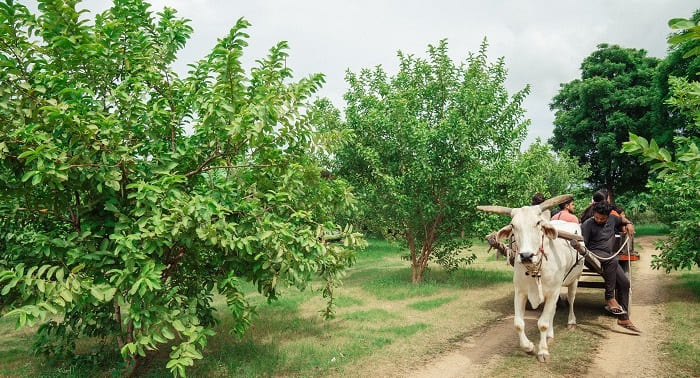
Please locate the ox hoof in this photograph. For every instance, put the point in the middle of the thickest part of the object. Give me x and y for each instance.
(529, 348)
(571, 326)
(543, 357)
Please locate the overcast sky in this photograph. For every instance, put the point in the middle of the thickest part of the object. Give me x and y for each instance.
(543, 42)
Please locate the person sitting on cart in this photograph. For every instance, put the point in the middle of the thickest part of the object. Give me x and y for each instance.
(566, 212)
(599, 236)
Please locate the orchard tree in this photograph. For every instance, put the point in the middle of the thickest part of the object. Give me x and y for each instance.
(595, 114)
(676, 189)
(129, 196)
(425, 143)
(670, 121)
(540, 170)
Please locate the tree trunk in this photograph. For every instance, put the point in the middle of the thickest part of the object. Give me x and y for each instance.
(417, 275)
(420, 262)
(131, 361)
(611, 197)
(411, 241)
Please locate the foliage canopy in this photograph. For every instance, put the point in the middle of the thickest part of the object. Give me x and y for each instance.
(595, 114)
(129, 196)
(676, 190)
(540, 170)
(425, 143)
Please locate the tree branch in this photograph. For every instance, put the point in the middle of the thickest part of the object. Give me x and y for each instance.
(238, 166)
(46, 211)
(118, 319)
(202, 166)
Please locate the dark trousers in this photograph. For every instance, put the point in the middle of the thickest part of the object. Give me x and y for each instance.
(616, 280)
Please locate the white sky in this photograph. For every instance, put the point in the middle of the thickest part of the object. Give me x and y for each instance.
(543, 42)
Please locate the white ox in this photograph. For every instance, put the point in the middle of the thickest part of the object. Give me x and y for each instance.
(543, 264)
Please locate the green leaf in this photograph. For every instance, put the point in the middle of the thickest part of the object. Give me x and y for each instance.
(59, 274)
(6, 289)
(680, 23)
(97, 293)
(177, 324)
(167, 334)
(78, 268)
(28, 175)
(25, 154)
(66, 295)
(109, 294)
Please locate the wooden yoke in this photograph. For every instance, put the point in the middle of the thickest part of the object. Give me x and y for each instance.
(576, 241)
(569, 236)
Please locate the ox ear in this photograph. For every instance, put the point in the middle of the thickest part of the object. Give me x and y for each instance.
(504, 232)
(549, 230)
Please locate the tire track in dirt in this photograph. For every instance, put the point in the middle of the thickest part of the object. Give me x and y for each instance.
(622, 353)
(470, 356)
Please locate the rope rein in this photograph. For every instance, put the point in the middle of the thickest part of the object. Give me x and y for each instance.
(534, 270)
(616, 253)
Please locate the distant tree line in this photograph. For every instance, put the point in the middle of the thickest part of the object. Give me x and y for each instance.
(621, 91)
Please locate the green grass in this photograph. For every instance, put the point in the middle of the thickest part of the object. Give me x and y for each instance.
(651, 229)
(396, 284)
(377, 250)
(430, 303)
(372, 315)
(691, 282)
(405, 330)
(348, 301)
(379, 313)
(683, 345)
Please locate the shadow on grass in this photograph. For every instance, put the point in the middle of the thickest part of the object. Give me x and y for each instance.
(690, 282)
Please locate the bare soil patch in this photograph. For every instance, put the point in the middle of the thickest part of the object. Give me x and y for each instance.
(472, 355)
(624, 354)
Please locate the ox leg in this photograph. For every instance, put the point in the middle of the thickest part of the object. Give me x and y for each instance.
(545, 325)
(571, 294)
(519, 321)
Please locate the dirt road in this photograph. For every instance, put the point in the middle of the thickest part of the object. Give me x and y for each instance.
(618, 355)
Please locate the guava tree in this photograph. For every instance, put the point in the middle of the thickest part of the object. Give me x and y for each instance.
(540, 170)
(424, 144)
(676, 189)
(130, 196)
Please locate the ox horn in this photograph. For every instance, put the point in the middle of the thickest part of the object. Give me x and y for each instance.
(546, 205)
(496, 209)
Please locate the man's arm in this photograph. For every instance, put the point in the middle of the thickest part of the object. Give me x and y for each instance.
(626, 225)
(586, 231)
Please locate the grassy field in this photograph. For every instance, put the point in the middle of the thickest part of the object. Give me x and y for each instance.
(682, 349)
(651, 229)
(378, 310)
(385, 326)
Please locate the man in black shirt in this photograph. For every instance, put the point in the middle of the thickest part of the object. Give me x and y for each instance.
(599, 235)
